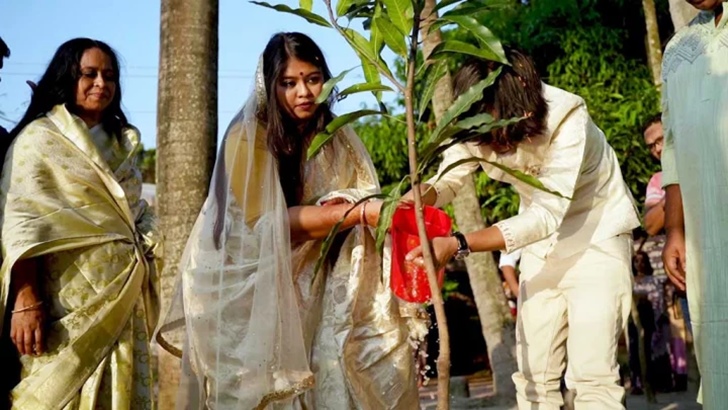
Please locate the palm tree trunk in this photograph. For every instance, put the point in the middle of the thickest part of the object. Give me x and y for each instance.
(495, 317)
(186, 140)
(654, 47)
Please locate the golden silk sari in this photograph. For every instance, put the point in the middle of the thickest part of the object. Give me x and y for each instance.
(75, 206)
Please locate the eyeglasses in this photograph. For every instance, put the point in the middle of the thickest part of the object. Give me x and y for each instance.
(659, 141)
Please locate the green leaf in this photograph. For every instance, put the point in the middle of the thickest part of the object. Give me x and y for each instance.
(460, 47)
(525, 178)
(305, 4)
(463, 103)
(434, 149)
(444, 3)
(343, 6)
(486, 38)
(362, 87)
(329, 86)
(329, 240)
(360, 44)
(309, 16)
(475, 121)
(433, 74)
(385, 215)
(401, 13)
(365, 50)
(337, 123)
(372, 76)
(391, 35)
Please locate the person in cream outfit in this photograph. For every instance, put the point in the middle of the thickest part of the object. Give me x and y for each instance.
(575, 284)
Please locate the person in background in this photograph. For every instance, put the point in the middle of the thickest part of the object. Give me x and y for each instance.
(654, 222)
(694, 168)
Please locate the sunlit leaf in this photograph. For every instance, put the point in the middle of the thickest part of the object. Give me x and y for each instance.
(444, 3)
(343, 6)
(401, 13)
(329, 86)
(486, 38)
(362, 87)
(305, 4)
(459, 47)
(433, 74)
(337, 123)
(463, 103)
(391, 35)
(309, 16)
(372, 76)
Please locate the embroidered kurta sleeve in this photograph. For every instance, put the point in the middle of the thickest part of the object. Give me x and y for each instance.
(447, 184)
(669, 167)
(560, 172)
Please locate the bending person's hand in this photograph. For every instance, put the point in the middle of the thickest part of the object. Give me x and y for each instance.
(443, 248)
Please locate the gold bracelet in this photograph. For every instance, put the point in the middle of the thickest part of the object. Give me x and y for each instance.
(363, 214)
(27, 308)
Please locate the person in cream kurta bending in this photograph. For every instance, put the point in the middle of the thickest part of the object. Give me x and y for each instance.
(575, 284)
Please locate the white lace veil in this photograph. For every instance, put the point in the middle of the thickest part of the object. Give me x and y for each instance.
(234, 319)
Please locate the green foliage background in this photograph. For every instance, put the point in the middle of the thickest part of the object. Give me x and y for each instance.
(593, 48)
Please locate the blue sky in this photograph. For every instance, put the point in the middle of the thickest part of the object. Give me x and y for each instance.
(35, 28)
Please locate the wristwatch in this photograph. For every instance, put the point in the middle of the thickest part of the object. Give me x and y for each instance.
(463, 248)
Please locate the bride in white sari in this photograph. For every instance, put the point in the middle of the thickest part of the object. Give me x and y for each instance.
(255, 325)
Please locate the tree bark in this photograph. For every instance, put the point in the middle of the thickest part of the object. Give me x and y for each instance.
(681, 13)
(654, 46)
(495, 318)
(186, 140)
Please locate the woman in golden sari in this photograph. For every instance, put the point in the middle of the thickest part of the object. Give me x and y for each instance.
(258, 324)
(78, 282)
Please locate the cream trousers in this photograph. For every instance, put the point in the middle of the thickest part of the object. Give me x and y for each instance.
(578, 304)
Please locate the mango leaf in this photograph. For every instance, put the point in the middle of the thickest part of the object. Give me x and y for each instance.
(360, 44)
(329, 86)
(329, 240)
(486, 38)
(391, 35)
(468, 9)
(475, 121)
(433, 150)
(309, 16)
(322, 138)
(305, 4)
(343, 6)
(459, 47)
(433, 74)
(362, 87)
(401, 13)
(365, 50)
(525, 178)
(385, 215)
(371, 75)
(463, 103)
(444, 3)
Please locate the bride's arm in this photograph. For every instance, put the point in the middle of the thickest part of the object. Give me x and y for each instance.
(311, 222)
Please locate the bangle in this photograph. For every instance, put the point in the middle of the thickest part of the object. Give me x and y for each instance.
(363, 214)
(34, 306)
